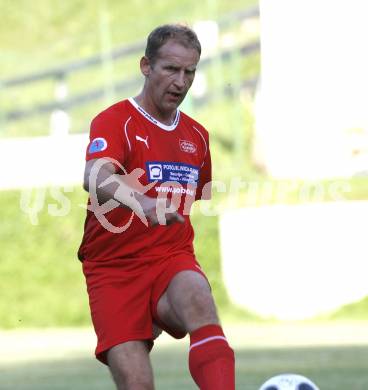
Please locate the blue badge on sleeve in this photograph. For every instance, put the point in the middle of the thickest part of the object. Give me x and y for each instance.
(97, 145)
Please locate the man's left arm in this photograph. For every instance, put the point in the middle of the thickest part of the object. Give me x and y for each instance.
(204, 188)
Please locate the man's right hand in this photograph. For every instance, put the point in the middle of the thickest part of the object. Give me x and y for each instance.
(160, 211)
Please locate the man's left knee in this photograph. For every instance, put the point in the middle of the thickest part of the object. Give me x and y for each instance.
(203, 303)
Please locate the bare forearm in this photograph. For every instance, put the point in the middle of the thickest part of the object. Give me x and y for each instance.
(104, 184)
(107, 185)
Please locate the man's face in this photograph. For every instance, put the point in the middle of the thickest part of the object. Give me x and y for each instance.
(169, 78)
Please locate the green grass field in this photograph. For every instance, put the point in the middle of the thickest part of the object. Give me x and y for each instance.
(335, 356)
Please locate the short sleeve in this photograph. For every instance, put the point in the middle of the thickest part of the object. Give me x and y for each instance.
(106, 139)
(204, 188)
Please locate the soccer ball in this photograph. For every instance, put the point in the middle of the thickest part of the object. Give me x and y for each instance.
(289, 382)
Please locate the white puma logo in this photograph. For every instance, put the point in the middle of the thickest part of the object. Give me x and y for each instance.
(145, 140)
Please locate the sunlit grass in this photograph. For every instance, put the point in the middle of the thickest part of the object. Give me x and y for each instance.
(332, 355)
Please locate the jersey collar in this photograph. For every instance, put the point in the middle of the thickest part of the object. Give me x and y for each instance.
(152, 119)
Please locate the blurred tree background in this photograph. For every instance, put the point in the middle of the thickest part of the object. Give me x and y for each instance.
(49, 43)
(45, 42)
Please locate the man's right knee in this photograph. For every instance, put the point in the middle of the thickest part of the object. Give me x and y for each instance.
(130, 366)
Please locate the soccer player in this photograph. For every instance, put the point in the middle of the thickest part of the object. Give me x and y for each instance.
(147, 162)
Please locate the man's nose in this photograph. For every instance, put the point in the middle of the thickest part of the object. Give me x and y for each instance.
(180, 79)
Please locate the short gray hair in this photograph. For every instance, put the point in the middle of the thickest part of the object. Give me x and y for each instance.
(177, 32)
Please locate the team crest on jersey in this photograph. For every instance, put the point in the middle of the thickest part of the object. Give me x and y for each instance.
(97, 145)
(187, 146)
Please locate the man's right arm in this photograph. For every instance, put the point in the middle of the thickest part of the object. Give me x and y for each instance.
(102, 180)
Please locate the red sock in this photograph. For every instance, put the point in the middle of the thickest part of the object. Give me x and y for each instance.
(211, 360)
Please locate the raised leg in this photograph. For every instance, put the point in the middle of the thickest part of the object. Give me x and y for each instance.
(188, 305)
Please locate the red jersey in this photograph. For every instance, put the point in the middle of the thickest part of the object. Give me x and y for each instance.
(175, 161)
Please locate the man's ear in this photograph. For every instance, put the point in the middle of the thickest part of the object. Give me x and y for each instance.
(145, 66)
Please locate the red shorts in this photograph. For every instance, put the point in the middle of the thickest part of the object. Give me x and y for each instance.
(123, 297)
